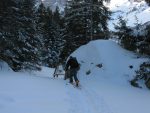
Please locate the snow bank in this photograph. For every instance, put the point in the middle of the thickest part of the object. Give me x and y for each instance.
(109, 85)
(34, 92)
(4, 67)
(115, 60)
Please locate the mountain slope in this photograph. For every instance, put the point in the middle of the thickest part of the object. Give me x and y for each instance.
(131, 11)
(104, 90)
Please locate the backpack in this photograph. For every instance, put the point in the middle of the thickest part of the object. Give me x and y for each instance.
(74, 63)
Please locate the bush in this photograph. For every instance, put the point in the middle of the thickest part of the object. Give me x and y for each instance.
(142, 73)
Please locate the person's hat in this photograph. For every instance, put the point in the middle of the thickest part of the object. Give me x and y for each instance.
(71, 57)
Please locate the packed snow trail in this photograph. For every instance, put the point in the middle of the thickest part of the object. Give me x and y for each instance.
(86, 101)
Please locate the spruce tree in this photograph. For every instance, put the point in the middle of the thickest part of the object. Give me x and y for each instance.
(49, 28)
(28, 42)
(85, 20)
(8, 32)
(144, 44)
(20, 44)
(124, 34)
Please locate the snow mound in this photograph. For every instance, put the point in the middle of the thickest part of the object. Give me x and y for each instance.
(108, 85)
(4, 67)
(107, 59)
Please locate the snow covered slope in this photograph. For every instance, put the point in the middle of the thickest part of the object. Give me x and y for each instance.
(115, 61)
(108, 87)
(104, 89)
(36, 92)
(129, 10)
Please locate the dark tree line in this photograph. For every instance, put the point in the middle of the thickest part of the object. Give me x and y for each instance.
(84, 20)
(17, 30)
(31, 36)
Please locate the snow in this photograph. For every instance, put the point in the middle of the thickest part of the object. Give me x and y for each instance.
(54, 3)
(128, 10)
(104, 90)
(25, 93)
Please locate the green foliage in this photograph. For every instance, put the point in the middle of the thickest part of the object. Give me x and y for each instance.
(30, 38)
(50, 26)
(134, 83)
(143, 73)
(84, 21)
(124, 33)
(143, 42)
(133, 41)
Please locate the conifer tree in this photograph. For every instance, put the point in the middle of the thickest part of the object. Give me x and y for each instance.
(144, 44)
(8, 16)
(124, 34)
(21, 44)
(49, 27)
(85, 20)
(27, 41)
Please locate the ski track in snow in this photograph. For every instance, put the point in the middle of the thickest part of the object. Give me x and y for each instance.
(98, 103)
(85, 101)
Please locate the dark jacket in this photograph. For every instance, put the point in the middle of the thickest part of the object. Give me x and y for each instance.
(72, 63)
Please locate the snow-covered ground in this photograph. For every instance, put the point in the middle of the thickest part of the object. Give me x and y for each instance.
(103, 90)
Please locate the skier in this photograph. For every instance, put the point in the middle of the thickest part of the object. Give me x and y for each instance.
(73, 66)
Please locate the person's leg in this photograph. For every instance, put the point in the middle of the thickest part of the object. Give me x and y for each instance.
(75, 77)
(71, 75)
(76, 80)
(71, 80)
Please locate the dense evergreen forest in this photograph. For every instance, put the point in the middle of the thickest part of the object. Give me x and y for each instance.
(32, 35)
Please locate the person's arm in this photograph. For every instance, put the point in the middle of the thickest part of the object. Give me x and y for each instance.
(67, 65)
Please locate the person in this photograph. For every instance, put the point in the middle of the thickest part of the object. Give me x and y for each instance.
(73, 66)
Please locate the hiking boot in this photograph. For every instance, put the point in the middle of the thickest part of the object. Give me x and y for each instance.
(77, 83)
